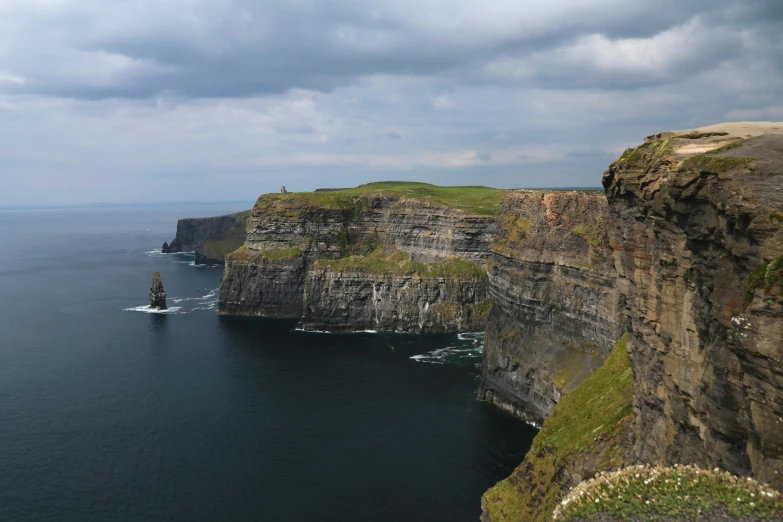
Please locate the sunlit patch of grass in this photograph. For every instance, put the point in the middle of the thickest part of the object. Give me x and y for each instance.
(398, 262)
(686, 492)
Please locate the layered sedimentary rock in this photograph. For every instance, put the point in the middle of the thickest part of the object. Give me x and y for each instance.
(332, 227)
(254, 284)
(276, 272)
(552, 285)
(210, 238)
(696, 232)
(694, 227)
(157, 293)
(355, 299)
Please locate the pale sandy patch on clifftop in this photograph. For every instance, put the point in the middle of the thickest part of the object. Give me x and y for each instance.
(699, 140)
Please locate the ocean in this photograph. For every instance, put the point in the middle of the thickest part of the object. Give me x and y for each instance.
(109, 412)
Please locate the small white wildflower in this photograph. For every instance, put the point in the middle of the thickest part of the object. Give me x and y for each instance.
(597, 500)
(646, 501)
(752, 494)
(739, 499)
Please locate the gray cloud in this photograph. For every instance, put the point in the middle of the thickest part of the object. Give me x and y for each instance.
(239, 91)
(241, 48)
(483, 155)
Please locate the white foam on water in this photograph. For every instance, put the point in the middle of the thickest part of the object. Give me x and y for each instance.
(159, 252)
(147, 310)
(471, 347)
(423, 358)
(298, 329)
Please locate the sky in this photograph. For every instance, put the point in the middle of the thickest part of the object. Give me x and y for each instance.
(222, 100)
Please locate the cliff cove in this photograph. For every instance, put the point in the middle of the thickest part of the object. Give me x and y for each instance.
(650, 311)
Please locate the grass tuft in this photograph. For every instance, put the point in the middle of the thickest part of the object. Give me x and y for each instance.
(398, 262)
(680, 492)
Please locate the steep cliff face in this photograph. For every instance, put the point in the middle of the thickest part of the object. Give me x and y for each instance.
(585, 434)
(210, 238)
(334, 226)
(553, 318)
(157, 293)
(260, 283)
(355, 297)
(697, 238)
(415, 241)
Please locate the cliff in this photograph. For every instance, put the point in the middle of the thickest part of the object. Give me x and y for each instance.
(693, 236)
(392, 256)
(554, 313)
(391, 292)
(697, 242)
(210, 238)
(584, 434)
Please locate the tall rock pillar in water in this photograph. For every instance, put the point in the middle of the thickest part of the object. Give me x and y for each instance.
(157, 293)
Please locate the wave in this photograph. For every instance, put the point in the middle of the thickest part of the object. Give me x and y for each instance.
(207, 301)
(470, 348)
(159, 252)
(147, 310)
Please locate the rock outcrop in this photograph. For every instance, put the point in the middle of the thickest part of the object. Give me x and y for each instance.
(355, 298)
(696, 229)
(282, 270)
(157, 293)
(210, 238)
(554, 305)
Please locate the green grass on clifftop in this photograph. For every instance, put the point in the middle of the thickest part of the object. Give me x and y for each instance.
(670, 493)
(477, 200)
(243, 255)
(583, 433)
(397, 262)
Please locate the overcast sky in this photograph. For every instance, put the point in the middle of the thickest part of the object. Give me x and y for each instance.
(174, 100)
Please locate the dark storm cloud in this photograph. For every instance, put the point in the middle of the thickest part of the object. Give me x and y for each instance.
(243, 48)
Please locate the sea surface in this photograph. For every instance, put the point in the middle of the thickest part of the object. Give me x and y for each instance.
(111, 413)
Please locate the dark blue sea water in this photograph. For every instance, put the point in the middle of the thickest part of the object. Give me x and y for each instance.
(107, 413)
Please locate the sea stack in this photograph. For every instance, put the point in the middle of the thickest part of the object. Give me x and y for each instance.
(157, 293)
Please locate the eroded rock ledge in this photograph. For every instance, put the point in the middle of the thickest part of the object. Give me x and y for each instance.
(372, 260)
(552, 284)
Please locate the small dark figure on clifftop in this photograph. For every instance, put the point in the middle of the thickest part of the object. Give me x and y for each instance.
(157, 293)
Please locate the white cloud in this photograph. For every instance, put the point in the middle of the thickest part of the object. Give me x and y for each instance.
(233, 93)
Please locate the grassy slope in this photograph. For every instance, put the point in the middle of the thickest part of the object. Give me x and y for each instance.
(670, 493)
(478, 200)
(243, 255)
(583, 434)
(401, 263)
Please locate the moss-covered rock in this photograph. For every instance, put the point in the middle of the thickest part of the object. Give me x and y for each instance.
(583, 435)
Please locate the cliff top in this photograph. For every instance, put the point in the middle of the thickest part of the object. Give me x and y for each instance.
(689, 142)
(473, 199)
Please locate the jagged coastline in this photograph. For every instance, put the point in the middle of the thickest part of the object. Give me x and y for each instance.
(655, 305)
